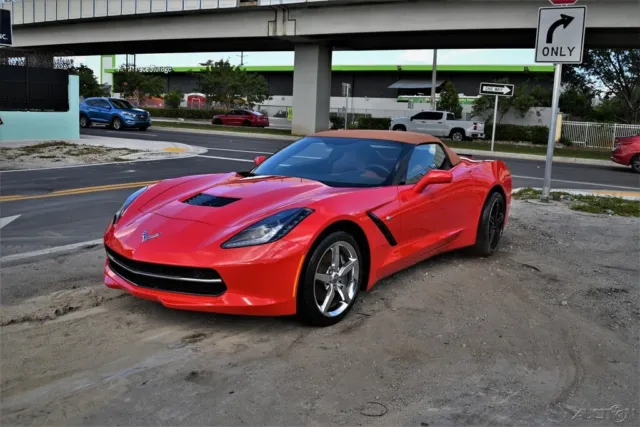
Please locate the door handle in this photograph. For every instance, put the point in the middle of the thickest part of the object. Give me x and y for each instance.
(439, 123)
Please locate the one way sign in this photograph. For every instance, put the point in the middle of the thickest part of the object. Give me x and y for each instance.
(560, 38)
(496, 89)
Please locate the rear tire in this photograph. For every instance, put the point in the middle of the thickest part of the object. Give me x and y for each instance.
(401, 128)
(635, 163)
(85, 122)
(216, 122)
(490, 225)
(324, 297)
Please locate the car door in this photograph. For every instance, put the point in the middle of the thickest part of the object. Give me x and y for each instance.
(103, 110)
(92, 110)
(418, 122)
(434, 123)
(236, 117)
(437, 215)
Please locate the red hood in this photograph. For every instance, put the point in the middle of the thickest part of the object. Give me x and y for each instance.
(258, 196)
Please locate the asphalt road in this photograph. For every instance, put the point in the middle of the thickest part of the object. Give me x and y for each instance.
(47, 219)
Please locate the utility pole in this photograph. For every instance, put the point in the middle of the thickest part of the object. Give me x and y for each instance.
(433, 80)
(241, 59)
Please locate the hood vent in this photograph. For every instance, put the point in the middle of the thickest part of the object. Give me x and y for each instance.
(209, 200)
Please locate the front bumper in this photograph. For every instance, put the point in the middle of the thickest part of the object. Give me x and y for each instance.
(136, 122)
(259, 281)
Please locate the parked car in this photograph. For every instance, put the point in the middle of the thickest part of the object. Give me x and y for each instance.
(113, 112)
(627, 151)
(442, 124)
(307, 229)
(241, 118)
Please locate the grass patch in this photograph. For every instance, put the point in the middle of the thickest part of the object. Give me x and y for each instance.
(591, 204)
(583, 153)
(241, 129)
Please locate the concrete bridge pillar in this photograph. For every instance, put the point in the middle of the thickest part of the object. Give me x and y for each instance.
(311, 88)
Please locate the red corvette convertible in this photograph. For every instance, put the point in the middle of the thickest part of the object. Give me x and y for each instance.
(307, 228)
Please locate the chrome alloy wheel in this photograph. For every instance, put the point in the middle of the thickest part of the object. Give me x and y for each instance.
(336, 279)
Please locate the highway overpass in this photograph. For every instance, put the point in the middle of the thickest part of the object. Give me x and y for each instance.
(312, 28)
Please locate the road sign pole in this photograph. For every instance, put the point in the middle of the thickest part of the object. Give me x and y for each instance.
(495, 119)
(551, 142)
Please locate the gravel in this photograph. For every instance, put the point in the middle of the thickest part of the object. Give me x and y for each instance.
(545, 332)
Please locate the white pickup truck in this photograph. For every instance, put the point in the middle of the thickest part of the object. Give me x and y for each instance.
(440, 124)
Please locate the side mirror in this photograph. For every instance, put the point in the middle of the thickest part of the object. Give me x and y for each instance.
(433, 177)
(259, 160)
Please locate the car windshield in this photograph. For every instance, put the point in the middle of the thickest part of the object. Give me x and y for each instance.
(121, 103)
(337, 162)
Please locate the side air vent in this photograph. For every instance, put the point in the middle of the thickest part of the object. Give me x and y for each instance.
(210, 200)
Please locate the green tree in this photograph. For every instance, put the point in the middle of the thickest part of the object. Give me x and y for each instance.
(89, 86)
(610, 73)
(225, 84)
(576, 103)
(173, 99)
(449, 100)
(137, 85)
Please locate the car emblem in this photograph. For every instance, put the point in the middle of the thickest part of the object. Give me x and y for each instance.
(146, 236)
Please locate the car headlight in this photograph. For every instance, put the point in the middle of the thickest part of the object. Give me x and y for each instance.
(269, 229)
(127, 203)
(129, 114)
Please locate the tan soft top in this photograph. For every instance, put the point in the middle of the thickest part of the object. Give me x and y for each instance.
(389, 135)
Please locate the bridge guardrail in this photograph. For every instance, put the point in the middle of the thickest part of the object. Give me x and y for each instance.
(37, 11)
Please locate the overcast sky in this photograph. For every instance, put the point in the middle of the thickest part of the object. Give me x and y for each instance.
(389, 57)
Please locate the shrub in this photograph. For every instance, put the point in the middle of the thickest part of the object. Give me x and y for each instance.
(183, 113)
(565, 141)
(519, 133)
(377, 123)
(337, 122)
(539, 134)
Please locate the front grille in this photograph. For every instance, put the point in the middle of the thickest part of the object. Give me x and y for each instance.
(141, 116)
(170, 278)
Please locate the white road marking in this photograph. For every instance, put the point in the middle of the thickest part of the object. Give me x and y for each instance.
(7, 220)
(99, 164)
(577, 182)
(49, 251)
(233, 159)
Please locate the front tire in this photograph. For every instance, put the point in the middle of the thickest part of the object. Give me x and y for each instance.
(490, 226)
(116, 123)
(635, 163)
(401, 128)
(331, 281)
(457, 135)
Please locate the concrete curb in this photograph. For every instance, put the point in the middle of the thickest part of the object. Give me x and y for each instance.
(237, 134)
(141, 144)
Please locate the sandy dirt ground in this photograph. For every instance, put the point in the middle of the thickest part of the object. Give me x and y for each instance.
(52, 154)
(544, 333)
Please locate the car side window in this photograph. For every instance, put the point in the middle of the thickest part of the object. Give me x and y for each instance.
(421, 116)
(425, 158)
(450, 116)
(101, 103)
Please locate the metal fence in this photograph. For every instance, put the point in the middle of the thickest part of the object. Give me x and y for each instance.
(597, 135)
